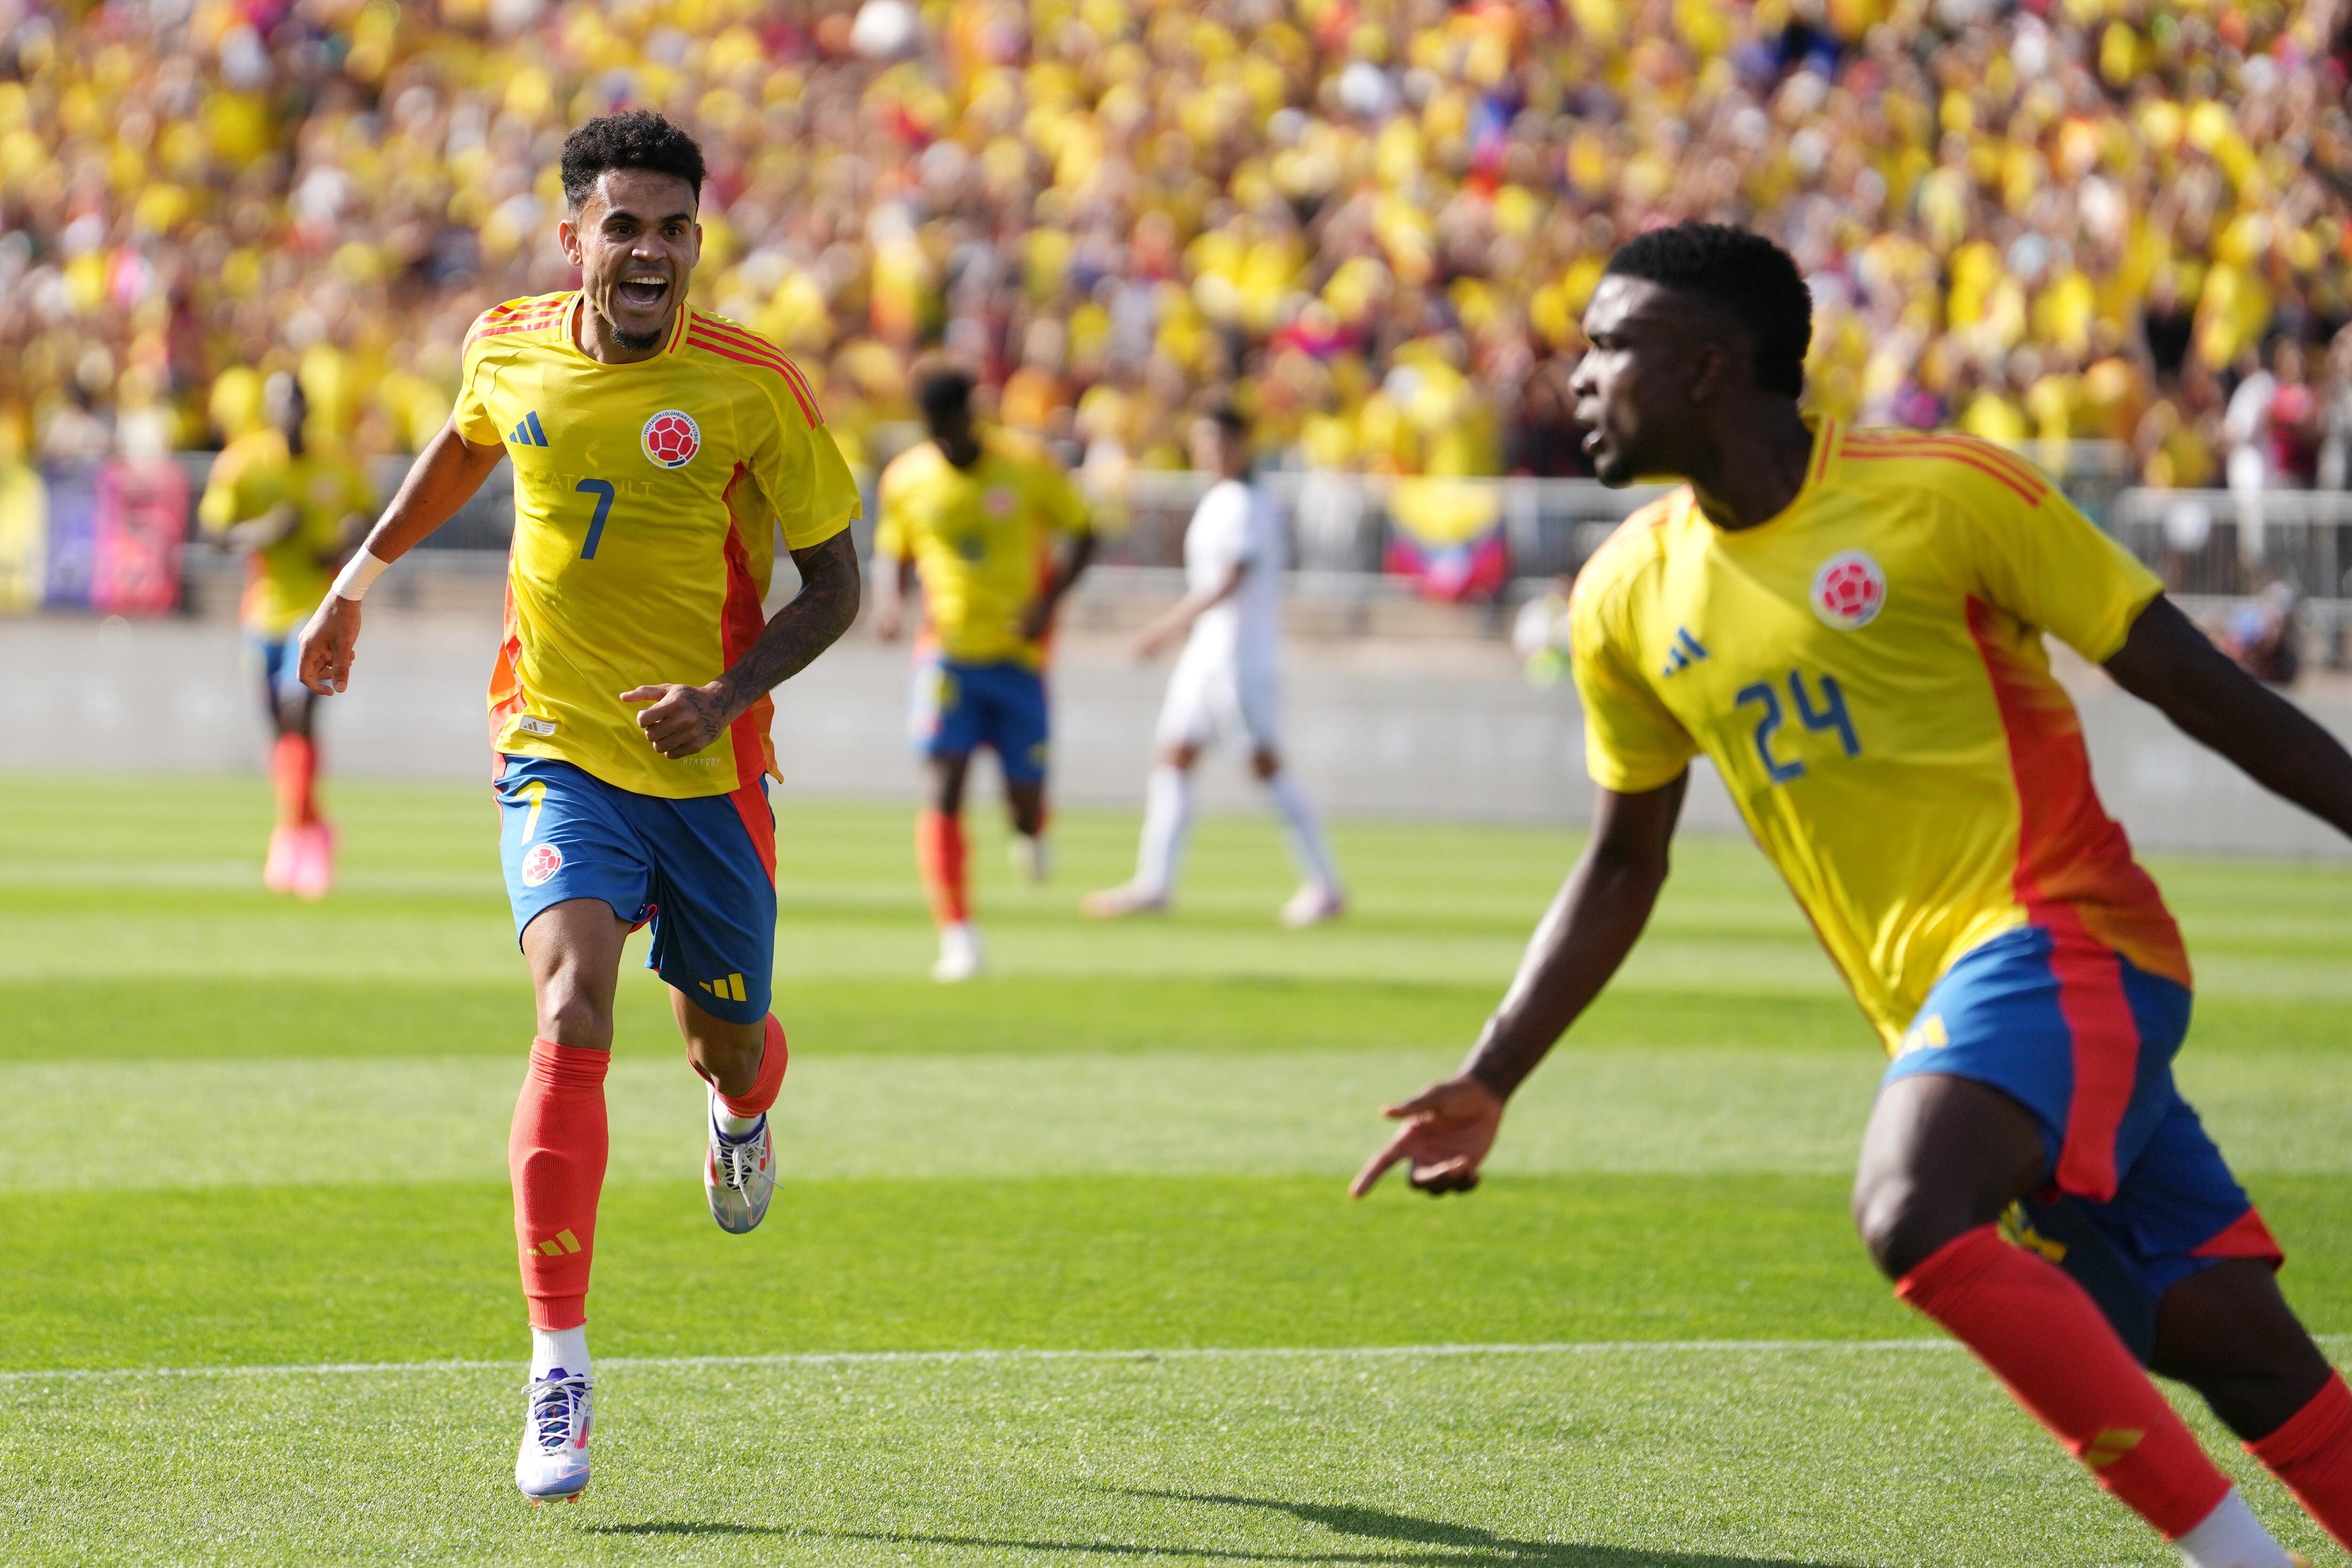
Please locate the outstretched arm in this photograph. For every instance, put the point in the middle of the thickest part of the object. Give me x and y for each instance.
(683, 719)
(444, 476)
(2167, 661)
(1582, 939)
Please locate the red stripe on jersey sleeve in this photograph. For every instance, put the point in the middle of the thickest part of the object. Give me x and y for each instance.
(1923, 441)
(728, 351)
(2031, 495)
(1879, 442)
(488, 329)
(771, 355)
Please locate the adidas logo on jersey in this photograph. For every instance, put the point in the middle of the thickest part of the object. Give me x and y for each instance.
(1687, 651)
(528, 433)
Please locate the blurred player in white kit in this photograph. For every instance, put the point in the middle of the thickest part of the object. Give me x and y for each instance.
(1226, 685)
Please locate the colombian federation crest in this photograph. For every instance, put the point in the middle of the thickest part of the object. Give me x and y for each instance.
(1849, 590)
(542, 861)
(672, 438)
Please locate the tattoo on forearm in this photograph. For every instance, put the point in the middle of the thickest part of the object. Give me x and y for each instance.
(805, 628)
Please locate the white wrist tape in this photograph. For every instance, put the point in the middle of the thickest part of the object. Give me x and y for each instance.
(362, 569)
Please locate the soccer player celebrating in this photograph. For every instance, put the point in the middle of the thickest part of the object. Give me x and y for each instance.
(295, 512)
(1226, 682)
(975, 515)
(657, 452)
(1848, 623)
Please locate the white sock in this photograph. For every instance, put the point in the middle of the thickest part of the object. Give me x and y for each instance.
(1306, 840)
(559, 1349)
(2230, 1537)
(1167, 818)
(736, 1127)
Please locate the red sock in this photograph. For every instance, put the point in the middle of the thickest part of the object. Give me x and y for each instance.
(773, 1062)
(556, 1157)
(938, 850)
(2312, 1454)
(294, 772)
(2045, 1339)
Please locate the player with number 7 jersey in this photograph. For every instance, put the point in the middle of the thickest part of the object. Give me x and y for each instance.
(659, 455)
(642, 545)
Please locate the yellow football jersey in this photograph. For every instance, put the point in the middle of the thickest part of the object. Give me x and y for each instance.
(285, 581)
(648, 500)
(1866, 671)
(980, 539)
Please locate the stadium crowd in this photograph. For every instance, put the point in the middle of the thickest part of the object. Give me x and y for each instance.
(1376, 219)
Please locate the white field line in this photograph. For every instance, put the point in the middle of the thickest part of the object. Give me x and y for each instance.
(921, 1358)
(924, 1358)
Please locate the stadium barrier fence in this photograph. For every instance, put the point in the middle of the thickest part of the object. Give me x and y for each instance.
(1361, 538)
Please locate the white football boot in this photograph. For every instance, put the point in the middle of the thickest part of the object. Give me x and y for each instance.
(1126, 899)
(958, 954)
(738, 1174)
(285, 848)
(1314, 903)
(553, 1464)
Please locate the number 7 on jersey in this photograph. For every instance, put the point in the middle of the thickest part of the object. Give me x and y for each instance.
(602, 490)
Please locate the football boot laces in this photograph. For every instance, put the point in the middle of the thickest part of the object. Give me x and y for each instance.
(554, 1403)
(739, 1161)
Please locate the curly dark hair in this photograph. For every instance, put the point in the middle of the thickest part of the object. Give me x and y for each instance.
(1742, 274)
(638, 139)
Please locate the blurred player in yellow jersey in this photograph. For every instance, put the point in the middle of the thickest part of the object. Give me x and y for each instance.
(1848, 625)
(977, 517)
(295, 513)
(660, 455)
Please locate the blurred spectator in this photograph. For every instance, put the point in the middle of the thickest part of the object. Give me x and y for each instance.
(2293, 421)
(2335, 471)
(2263, 637)
(1374, 222)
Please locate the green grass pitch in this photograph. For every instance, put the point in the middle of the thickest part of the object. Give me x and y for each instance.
(1063, 1271)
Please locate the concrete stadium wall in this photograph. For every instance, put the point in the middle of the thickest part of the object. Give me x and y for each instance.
(1429, 726)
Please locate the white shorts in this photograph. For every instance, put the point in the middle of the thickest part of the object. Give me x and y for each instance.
(1216, 697)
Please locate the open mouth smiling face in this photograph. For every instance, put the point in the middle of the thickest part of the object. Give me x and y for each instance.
(636, 241)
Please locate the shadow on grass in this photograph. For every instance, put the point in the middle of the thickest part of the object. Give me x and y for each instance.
(1462, 1546)
(1471, 1544)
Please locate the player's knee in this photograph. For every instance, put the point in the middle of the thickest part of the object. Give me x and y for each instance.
(1900, 1224)
(571, 1016)
(729, 1055)
(1265, 764)
(1180, 757)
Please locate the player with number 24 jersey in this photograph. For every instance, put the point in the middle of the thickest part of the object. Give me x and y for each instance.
(1867, 673)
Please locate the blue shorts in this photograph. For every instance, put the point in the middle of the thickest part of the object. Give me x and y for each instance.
(275, 662)
(2137, 1197)
(703, 871)
(959, 708)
